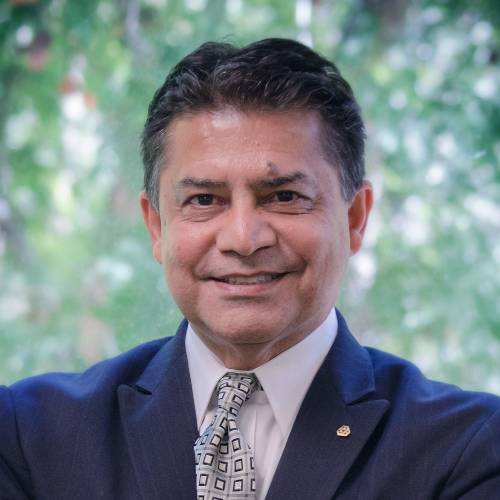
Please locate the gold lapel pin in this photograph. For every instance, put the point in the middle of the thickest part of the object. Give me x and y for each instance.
(344, 431)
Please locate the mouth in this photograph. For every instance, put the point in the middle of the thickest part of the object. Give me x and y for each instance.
(257, 279)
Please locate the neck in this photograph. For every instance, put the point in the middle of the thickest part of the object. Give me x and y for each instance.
(248, 356)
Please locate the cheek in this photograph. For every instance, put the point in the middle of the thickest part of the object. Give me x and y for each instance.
(179, 261)
(327, 253)
(175, 253)
(183, 249)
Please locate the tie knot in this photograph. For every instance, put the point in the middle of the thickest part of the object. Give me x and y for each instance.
(234, 389)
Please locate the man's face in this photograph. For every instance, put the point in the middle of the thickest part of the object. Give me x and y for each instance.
(252, 232)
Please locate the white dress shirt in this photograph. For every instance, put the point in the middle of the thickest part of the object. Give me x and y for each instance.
(266, 419)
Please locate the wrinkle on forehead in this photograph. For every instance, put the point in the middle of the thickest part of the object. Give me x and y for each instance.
(224, 121)
(227, 136)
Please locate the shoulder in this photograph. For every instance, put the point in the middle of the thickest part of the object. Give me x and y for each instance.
(441, 424)
(101, 377)
(403, 384)
(39, 397)
(445, 418)
(46, 411)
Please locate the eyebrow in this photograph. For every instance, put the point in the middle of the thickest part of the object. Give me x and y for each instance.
(281, 180)
(188, 182)
(273, 182)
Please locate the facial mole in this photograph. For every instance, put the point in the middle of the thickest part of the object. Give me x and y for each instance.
(272, 169)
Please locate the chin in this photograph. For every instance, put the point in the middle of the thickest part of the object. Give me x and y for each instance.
(244, 333)
(248, 334)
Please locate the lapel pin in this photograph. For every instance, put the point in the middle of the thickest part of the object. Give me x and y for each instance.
(344, 431)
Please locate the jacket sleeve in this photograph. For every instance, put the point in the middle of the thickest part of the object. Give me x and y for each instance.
(476, 475)
(14, 473)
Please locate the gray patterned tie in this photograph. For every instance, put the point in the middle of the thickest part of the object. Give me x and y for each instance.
(224, 461)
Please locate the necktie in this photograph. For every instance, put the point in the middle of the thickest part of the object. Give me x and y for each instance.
(224, 461)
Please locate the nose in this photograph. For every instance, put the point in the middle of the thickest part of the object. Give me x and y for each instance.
(244, 231)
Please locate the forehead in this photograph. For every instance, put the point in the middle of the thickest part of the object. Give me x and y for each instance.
(227, 136)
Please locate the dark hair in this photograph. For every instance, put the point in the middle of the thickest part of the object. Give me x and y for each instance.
(273, 74)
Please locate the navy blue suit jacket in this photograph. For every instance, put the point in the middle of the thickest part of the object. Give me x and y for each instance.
(125, 429)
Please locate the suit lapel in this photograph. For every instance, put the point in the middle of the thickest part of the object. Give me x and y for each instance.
(158, 416)
(315, 459)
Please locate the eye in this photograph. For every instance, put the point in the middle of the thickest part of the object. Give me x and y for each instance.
(203, 200)
(288, 202)
(285, 196)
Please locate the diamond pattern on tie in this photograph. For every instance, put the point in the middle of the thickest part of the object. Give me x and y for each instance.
(224, 461)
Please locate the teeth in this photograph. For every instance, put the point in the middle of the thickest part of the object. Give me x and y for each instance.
(250, 280)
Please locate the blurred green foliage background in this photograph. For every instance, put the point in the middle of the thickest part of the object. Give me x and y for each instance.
(77, 280)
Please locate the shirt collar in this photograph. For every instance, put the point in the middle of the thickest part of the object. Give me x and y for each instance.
(205, 369)
(285, 387)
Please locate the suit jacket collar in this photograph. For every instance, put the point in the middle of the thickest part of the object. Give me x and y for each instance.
(160, 423)
(316, 458)
(171, 355)
(349, 366)
(158, 417)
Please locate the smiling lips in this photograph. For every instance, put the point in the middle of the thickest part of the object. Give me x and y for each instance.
(256, 279)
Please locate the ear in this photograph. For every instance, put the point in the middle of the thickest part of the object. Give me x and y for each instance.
(153, 225)
(358, 213)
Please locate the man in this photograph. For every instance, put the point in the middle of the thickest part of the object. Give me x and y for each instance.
(254, 200)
